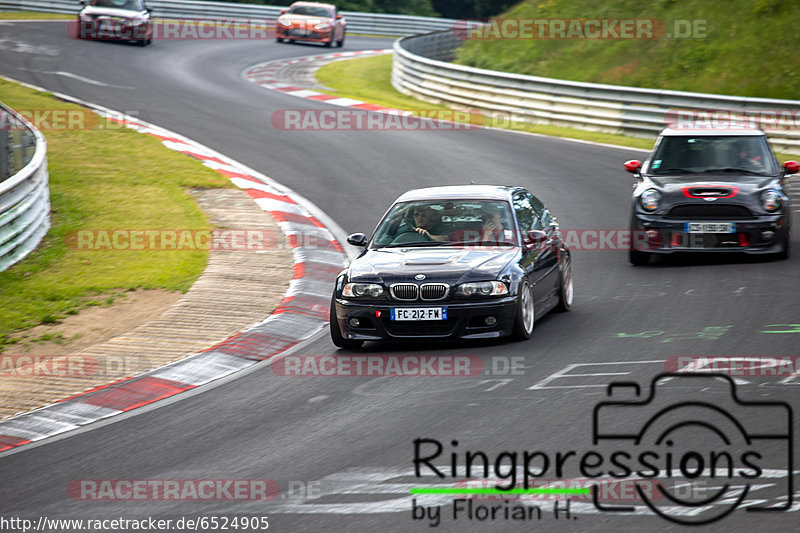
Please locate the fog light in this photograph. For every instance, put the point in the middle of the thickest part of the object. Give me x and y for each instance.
(490, 321)
(767, 235)
(354, 322)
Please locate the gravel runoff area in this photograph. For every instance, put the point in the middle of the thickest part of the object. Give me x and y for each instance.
(238, 289)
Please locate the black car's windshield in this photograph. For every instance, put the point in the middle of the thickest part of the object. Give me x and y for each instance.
(312, 11)
(446, 223)
(707, 154)
(131, 5)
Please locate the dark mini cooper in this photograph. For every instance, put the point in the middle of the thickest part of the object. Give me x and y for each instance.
(466, 262)
(710, 190)
(114, 20)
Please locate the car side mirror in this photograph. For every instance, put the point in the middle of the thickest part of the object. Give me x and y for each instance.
(633, 166)
(534, 238)
(338, 16)
(357, 239)
(791, 167)
(284, 11)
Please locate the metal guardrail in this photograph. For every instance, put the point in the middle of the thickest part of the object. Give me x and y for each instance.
(421, 69)
(24, 194)
(369, 23)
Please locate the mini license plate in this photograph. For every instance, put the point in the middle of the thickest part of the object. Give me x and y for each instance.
(710, 227)
(418, 313)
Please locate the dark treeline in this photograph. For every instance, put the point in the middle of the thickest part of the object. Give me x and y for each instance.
(457, 9)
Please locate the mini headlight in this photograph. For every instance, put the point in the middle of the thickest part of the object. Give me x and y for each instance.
(482, 288)
(359, 290)
(650, 199)
(322, 26)
(771, 200)
(285, 22)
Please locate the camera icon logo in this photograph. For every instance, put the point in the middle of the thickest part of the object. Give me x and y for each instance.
(708, 451)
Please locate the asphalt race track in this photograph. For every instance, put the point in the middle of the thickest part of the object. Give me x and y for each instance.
(341, 449)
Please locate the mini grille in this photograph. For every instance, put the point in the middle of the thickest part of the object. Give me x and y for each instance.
(710, 211)
(433, 291)
(404, 291)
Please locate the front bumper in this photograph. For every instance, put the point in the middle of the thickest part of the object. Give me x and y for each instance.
(299, 34)
(465, 320)
(754, 235)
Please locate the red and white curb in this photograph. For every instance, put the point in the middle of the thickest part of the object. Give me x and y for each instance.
(267, 75)
(318, 257)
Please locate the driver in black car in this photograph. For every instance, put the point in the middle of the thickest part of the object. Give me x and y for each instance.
(425, 223)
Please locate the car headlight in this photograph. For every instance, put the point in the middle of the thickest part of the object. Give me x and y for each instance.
(482, 288)
(358, 290)
(771, 200)
(650, 199)
(285, 22)
(322, 26)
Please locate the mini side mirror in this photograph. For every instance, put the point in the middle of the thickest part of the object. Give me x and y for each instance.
(338, 16)
(633, 166)
(791, 167)
(357, 239)
(284, 11)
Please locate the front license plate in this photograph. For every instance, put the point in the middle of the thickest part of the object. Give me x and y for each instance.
(419, 313)
(710, 227)
(300, 33)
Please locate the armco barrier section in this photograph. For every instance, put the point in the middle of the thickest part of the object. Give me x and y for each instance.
(24, 194)
(422, 69)
(369, 23)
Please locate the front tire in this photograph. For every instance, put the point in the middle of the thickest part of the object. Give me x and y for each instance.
(638, 258)
(784, 254)
(525, 319)
(328, 44)
(340, 42)
(566, 291)
(336, 334)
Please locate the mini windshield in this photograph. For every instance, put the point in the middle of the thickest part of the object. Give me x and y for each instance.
(446, 223)
(130, 5)
(312, 11)
(744, 154)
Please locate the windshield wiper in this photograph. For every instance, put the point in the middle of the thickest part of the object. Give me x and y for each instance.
(672, 170)
(481, 243)
(416, 244)
(733, 169)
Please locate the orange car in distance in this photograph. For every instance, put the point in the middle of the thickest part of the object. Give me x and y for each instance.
(311, 21)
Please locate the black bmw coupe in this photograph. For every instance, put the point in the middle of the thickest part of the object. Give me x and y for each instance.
(457, 262)
(711, 190)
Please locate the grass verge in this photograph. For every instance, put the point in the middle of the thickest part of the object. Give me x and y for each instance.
(370, 79)
(105, 177)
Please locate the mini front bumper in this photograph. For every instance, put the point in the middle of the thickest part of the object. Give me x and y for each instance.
(465, 320)
(754, 235)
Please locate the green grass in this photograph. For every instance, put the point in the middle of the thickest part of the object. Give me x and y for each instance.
(750, 48)
(102, 178)
(369, 79)
(35, 15)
